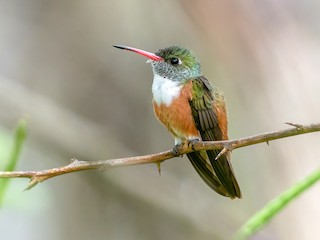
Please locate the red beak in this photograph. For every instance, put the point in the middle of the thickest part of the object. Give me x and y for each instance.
(150, 55)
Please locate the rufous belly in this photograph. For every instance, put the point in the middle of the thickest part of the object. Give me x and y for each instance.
(177, 117)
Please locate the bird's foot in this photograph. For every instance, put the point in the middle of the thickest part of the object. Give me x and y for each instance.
(187, 144)
(191, 143)
(176, 149)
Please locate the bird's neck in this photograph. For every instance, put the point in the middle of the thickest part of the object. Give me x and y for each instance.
(165, 90)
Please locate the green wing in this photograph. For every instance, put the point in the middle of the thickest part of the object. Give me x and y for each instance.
(210, 117)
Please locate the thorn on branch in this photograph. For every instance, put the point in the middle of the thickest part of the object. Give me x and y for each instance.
(223, 151)
(32, 183)
(299, 126)
(159, 167)
(37, 178)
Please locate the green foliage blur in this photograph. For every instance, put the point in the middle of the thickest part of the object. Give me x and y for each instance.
(15, 152)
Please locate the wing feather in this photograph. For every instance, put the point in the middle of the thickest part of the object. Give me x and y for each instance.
(210, 117)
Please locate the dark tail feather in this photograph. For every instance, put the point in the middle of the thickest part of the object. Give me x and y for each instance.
(223, 169)
(205, 171)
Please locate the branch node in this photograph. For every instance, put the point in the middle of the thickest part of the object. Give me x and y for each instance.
(74, 162)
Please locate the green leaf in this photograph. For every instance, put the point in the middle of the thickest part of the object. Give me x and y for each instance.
(20, 137)
(262, 217)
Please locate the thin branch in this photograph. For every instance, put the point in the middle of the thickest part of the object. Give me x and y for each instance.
(77, 165)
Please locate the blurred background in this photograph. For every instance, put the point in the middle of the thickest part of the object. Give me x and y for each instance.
(83, 98)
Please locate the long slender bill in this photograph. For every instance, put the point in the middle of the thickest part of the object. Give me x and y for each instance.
(149, 55)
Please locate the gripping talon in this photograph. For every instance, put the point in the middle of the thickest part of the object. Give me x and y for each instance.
(176, 150)
(192, 142)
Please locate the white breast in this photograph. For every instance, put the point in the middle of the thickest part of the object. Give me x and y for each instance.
(165, 90)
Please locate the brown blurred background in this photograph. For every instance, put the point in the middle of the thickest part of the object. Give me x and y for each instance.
(85, 99)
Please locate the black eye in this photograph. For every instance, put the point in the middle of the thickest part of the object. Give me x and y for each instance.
(174, 61)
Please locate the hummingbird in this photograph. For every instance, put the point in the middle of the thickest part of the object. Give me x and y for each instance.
(192, 109)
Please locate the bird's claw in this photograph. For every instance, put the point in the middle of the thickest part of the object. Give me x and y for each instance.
(176, 150)
(192, 142)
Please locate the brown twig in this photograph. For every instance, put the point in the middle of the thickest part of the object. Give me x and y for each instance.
(77, 165)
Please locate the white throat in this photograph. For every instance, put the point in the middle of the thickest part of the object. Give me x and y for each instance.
(165, 90)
